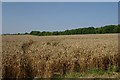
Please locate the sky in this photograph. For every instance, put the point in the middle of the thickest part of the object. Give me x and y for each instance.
(60, 0)
(0, 18)
(20, 17)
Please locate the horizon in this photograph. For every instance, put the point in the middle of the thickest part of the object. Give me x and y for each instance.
(62, 30)
(57, 16)
(59, 30)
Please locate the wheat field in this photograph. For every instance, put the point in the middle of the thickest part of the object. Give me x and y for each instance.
(27, 56)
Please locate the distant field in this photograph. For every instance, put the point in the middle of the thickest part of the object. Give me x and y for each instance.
(0, 56)
(68, 56)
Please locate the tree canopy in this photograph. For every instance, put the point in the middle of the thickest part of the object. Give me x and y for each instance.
(88, 30)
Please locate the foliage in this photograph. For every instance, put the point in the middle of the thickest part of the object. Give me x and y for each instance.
(89, 30)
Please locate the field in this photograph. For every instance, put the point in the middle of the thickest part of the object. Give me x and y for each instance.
(68, 56)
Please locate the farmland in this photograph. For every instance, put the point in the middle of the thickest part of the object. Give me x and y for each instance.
(67, 56)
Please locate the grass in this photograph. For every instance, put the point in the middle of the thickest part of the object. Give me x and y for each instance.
(94, 72)
(74, 75)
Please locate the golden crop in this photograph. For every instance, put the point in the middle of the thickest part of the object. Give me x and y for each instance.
(48, 56)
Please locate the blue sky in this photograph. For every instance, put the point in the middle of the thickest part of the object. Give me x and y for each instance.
(60, 0)
(53, 16)
(0, 18)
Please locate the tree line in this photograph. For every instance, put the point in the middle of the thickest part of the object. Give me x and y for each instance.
(88, 30)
